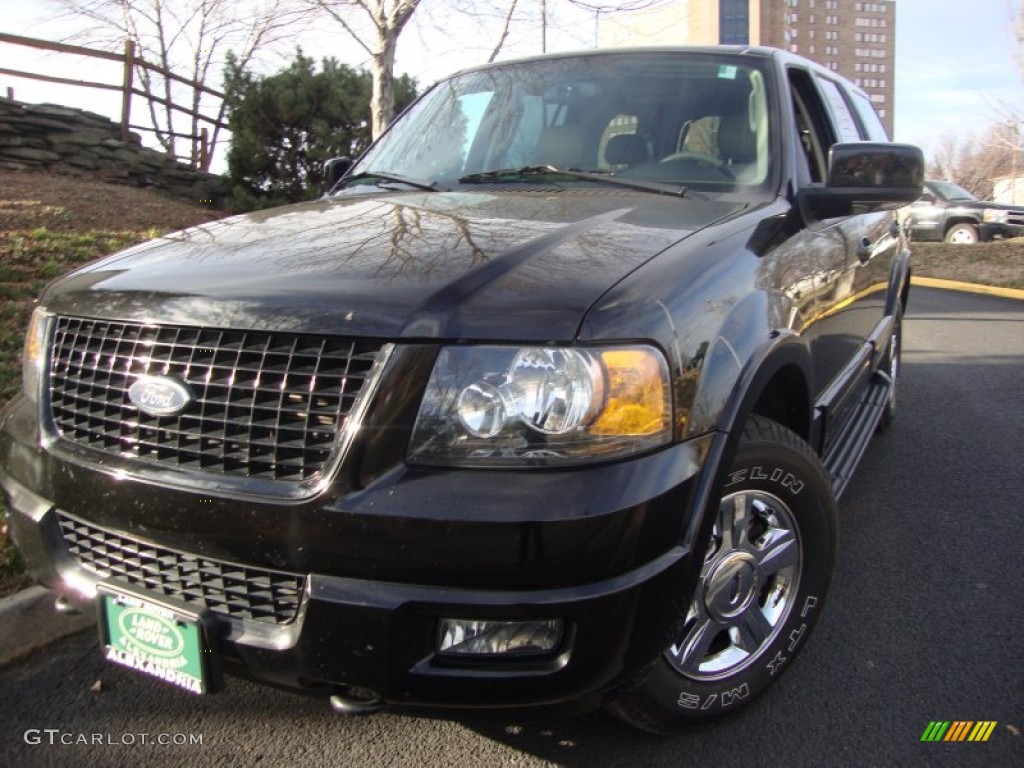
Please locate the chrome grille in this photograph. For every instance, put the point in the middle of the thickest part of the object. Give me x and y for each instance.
(225, 588)
(267, 405)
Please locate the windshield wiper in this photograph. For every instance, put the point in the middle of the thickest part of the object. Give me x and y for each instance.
(601, 177)
(392, 178)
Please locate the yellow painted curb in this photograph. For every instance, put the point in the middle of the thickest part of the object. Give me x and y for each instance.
(956, 285)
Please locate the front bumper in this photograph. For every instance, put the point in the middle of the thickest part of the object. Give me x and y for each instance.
(992, 231)
(603, 549)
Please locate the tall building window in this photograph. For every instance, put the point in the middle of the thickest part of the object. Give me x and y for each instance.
(734, 22)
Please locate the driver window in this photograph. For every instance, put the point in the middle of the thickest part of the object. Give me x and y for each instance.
(812, 127)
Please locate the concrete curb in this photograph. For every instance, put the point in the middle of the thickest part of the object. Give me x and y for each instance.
(956, 285)
(28, 622)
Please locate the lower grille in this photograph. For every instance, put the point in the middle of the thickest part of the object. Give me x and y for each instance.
(225, 588)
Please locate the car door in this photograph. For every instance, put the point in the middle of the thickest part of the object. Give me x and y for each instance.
(874, 238)
(855, 250)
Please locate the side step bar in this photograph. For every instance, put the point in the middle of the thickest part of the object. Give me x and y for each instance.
(847, 451)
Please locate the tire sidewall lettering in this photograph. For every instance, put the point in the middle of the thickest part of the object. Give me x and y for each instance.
(780, 476)
(722, 699)
(788, 642)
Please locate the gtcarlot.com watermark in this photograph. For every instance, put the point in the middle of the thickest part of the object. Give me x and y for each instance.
(55, 737)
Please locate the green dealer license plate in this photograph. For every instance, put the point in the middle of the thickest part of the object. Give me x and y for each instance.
(156, 639)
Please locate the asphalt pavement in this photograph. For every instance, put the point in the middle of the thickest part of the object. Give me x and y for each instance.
(924, 622)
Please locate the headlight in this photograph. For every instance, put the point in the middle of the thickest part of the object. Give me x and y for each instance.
(34, 354)
(993, 216)
(542, 405)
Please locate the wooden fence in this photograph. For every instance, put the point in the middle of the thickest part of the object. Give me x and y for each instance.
(129, 62)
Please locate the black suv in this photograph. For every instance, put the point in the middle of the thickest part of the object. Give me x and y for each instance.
(949, 212)
(546, 404)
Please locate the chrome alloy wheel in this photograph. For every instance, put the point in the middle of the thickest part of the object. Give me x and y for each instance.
(746, 590)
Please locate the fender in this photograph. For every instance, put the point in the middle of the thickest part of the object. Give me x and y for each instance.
(781, 349)
(753, 344)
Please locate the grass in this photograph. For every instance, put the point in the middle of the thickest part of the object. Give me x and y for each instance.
(29, 259)
(12, 569)
(49, 226)
(999, 263)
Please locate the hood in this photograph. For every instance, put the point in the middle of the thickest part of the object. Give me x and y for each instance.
(507, 265)
(981, 205)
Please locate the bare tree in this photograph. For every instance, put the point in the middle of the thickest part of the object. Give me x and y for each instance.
(387, 19)
(189, 37)
(504, 31)
(972, 162)
(376, 25)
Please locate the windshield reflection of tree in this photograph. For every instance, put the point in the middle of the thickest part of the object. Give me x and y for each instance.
(416, 239)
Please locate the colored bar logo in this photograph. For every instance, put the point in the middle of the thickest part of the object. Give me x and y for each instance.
(958, 730)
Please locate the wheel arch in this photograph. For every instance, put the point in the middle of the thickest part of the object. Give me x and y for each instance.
(952, 221)
(775, 382)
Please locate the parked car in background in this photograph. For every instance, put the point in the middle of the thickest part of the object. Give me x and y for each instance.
(947, 211)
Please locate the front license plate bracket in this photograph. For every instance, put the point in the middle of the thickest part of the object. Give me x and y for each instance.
(159, 637)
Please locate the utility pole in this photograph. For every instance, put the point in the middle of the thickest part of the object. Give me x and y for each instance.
(543, 26)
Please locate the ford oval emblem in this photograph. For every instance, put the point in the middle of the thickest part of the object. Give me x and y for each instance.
(159, 395)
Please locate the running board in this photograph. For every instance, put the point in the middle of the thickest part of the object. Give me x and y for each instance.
(847, 451)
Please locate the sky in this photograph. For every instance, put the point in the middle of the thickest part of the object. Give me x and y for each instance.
(955, 59)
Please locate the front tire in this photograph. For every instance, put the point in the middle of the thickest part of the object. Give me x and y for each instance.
(762, 586)
(963, 234)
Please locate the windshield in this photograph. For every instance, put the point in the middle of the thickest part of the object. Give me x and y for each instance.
(949, 191)
(693, 119)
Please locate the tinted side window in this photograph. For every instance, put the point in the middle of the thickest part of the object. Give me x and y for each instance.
(813, 125)
(846, 125)
(872, 125)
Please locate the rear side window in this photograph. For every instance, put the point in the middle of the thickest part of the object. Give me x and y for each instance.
(869, 118)
(846, 125)
(813, 126)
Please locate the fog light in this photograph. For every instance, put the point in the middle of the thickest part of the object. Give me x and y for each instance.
(515, 638)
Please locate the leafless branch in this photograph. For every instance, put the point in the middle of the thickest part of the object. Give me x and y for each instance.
(504, 31)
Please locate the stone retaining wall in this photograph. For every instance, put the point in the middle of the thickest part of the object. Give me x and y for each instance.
(66, 140)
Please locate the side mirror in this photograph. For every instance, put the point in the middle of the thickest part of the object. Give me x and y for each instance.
(334, 170)
(865, 177)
